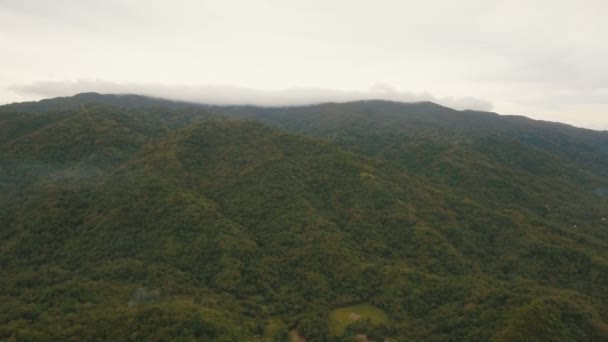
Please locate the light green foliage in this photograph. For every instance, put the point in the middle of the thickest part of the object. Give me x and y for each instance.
(340, 318)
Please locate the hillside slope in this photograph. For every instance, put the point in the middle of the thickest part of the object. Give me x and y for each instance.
(149, 222)
(548, 169)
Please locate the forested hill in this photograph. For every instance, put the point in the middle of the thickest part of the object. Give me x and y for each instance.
(129, 218)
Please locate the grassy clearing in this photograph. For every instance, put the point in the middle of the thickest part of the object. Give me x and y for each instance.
(273, 329)
(340, 318)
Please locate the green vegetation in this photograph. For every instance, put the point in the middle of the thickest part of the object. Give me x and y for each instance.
(340, 318)
(275, 330)
(127, 218)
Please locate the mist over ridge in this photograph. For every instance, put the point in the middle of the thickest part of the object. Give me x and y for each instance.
(235, 95)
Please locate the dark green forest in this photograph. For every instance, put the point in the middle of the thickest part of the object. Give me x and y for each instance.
(125, 217)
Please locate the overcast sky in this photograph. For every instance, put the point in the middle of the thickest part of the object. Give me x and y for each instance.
(543, 59)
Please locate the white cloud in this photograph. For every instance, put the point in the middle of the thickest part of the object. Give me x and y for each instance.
(234, 95)
(543, 58)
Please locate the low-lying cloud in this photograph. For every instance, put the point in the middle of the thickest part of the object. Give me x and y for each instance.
(234, 95)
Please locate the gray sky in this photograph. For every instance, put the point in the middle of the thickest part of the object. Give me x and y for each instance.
(543, 59)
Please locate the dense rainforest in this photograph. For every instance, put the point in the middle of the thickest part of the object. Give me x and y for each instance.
(124, 217)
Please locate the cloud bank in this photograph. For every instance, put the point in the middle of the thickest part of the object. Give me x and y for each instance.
(545, 59)
(234, 95)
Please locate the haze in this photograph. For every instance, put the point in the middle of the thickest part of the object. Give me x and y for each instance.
(543, 59)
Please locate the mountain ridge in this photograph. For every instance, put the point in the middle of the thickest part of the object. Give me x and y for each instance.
(95, 97)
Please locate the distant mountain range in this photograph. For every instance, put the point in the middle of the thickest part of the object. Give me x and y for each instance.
(124, 217)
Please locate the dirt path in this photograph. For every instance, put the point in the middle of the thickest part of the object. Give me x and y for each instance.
(294, 336)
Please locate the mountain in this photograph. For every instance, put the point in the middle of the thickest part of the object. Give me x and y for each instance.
(126, 217)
